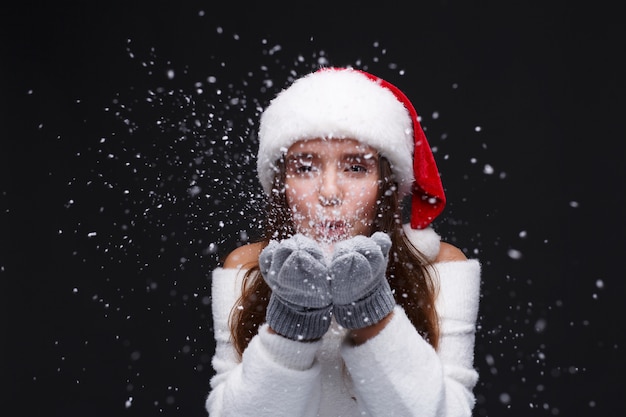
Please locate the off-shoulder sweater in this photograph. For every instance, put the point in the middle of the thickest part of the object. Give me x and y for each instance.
(396, 373)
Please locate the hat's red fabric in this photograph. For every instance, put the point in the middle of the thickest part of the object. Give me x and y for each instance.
(428, 198)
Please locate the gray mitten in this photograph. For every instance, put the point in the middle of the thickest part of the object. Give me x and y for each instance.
(360, 291)
(296, 271)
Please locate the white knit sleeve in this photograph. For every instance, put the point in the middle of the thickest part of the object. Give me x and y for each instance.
(398, 373)
(276, 376)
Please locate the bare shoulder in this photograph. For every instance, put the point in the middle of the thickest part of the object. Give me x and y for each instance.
(243, 255)
(449, 253)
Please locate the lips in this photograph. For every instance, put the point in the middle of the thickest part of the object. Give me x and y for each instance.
(333, 230)
(333, 224)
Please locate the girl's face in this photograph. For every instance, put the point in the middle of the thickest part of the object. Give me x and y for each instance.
(332, 188)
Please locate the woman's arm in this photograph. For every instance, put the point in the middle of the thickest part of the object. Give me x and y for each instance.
(447, 253)
(275, 374)
(399, 373)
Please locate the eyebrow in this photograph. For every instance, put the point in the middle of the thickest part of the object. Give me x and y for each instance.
(368, 156)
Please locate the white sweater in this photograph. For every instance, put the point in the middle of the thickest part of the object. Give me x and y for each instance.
(396, 373)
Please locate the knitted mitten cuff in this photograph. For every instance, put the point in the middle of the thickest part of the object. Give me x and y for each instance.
(295, 322)
(368, 311)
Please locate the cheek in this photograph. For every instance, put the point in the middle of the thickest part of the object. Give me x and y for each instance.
(298, 197)
(365, 196)
(363, 203)
(366, 209)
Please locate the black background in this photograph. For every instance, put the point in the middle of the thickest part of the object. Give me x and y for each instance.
(126, 176)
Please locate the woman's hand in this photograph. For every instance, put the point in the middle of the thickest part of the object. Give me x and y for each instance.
(360, 291)
(300, 304)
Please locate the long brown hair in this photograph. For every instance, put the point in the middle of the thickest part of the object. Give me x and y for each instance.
(413, 287)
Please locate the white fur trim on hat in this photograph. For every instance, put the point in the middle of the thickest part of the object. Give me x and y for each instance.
(337, 104)
(425, 240)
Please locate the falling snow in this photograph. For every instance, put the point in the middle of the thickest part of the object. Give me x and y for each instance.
(170, 188)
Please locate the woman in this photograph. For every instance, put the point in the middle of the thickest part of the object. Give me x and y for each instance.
(342, 310)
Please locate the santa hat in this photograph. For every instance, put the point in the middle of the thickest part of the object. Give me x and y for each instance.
(344, 103)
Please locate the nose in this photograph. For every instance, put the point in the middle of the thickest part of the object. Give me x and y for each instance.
(330, 193)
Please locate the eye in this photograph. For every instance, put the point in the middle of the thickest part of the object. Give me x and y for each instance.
(300, 166)
(356, 168)
(305, 168)
(361, 164)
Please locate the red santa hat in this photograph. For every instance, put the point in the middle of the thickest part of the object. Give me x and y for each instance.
(342, 103)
